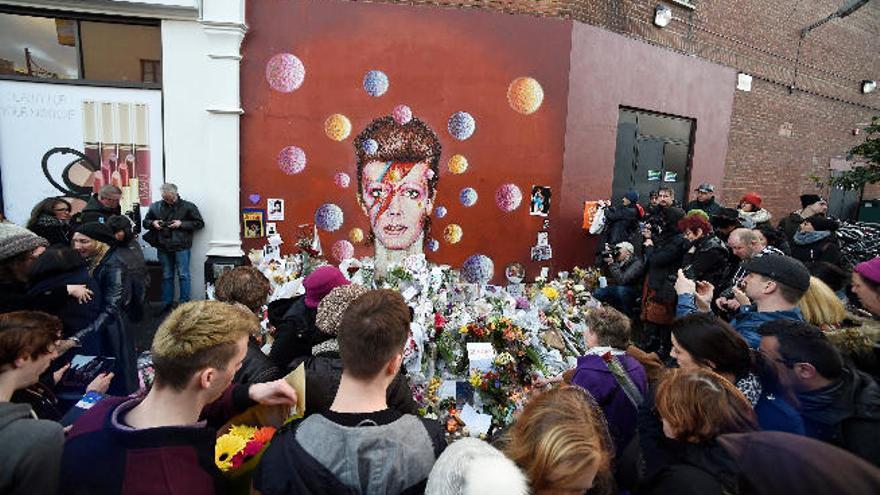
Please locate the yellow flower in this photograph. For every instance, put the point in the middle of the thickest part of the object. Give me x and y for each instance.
(550, 292)
(243, 431)
(226, 447)
(463, 329)
(475, 379)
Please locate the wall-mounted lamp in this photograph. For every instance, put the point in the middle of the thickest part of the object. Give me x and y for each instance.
(868, 86)
(662, 15)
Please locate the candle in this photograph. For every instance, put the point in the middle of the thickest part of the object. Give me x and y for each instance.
(116, 179)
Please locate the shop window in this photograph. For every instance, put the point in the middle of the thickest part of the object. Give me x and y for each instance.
(95, 49)
(41, 47)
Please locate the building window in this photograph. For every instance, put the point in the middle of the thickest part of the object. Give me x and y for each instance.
(151, 71)
(95, 48)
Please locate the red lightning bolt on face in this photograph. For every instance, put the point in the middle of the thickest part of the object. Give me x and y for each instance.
(394, 173)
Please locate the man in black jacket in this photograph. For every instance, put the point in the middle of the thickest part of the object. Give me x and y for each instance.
(705, 200)
(839, 404)
(625, 272)
(101, 206)
(171, 224)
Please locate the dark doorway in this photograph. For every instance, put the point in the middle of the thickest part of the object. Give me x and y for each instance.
(653, 150)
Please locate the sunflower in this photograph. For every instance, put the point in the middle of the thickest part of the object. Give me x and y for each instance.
(226, 447)
(243, 431)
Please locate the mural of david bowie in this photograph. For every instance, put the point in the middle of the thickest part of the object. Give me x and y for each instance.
(397, 185)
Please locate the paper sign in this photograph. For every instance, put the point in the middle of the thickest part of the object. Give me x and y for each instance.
(480, 355)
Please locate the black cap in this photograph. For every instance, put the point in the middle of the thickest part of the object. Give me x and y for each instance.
(822, 223)
(783, 269)
(98, 231)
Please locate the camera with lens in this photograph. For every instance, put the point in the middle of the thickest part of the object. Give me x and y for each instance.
(610, 252)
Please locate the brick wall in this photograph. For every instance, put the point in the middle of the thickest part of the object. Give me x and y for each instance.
(778, 136)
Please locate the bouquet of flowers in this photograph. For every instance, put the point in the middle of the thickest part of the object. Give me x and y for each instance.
(241, 445)
(237, 453)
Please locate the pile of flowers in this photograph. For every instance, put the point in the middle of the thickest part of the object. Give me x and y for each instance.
(241, 445)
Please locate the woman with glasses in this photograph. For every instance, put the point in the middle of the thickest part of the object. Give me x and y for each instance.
(50, 219)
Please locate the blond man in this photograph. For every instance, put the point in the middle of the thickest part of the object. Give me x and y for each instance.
(164, 442)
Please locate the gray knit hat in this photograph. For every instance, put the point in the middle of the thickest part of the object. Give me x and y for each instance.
(335, 303)
(15, 240)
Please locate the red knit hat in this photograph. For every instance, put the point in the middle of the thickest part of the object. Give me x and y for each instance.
(321, 282)
(751, 198)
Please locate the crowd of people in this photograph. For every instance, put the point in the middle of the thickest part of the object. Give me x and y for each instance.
(731, 356)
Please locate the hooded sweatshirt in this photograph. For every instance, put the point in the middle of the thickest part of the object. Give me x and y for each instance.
(31, 457)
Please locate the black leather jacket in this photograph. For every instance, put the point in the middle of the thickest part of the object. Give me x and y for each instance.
(167, 239)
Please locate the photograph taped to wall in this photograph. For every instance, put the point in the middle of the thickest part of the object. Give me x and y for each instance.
(542, 253)
(543, 239)
(654, 175)
(271, 228)
(540, 201)
(670, 177)
(253, 225)
(275, 207)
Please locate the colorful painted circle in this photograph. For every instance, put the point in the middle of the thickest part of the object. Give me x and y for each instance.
(468, 196)
(337, 127)
(370, 146)
(402, 114)
(461, 125)
(458, 164)
(342, 180)
(433, 245)
(292, 160)
(356, 235)
(285, 73)
(508, 197)
(329, 217)
(375, 83)
(525, 95)
(478, 269)
(440, 211)
(452, 233)
(343, 250)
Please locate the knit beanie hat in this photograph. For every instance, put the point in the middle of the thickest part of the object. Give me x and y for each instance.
(870, 270)
(822, 223)
(471, 466)
(808, 199)
(15, 240)
(632, 196)
(97, 231)
(321, 282)
(751, 198)
(335, 303)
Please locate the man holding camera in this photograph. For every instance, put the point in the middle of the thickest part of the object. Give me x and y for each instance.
(624, 271)
(171, 224)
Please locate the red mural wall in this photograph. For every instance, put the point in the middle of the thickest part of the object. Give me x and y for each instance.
(437, 62)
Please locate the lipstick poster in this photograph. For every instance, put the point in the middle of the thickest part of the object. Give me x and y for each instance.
(64, 140)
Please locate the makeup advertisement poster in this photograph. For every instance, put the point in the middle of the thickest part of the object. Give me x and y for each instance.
(64, 140)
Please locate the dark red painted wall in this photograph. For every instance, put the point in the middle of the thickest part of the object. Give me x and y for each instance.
(439, 61)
